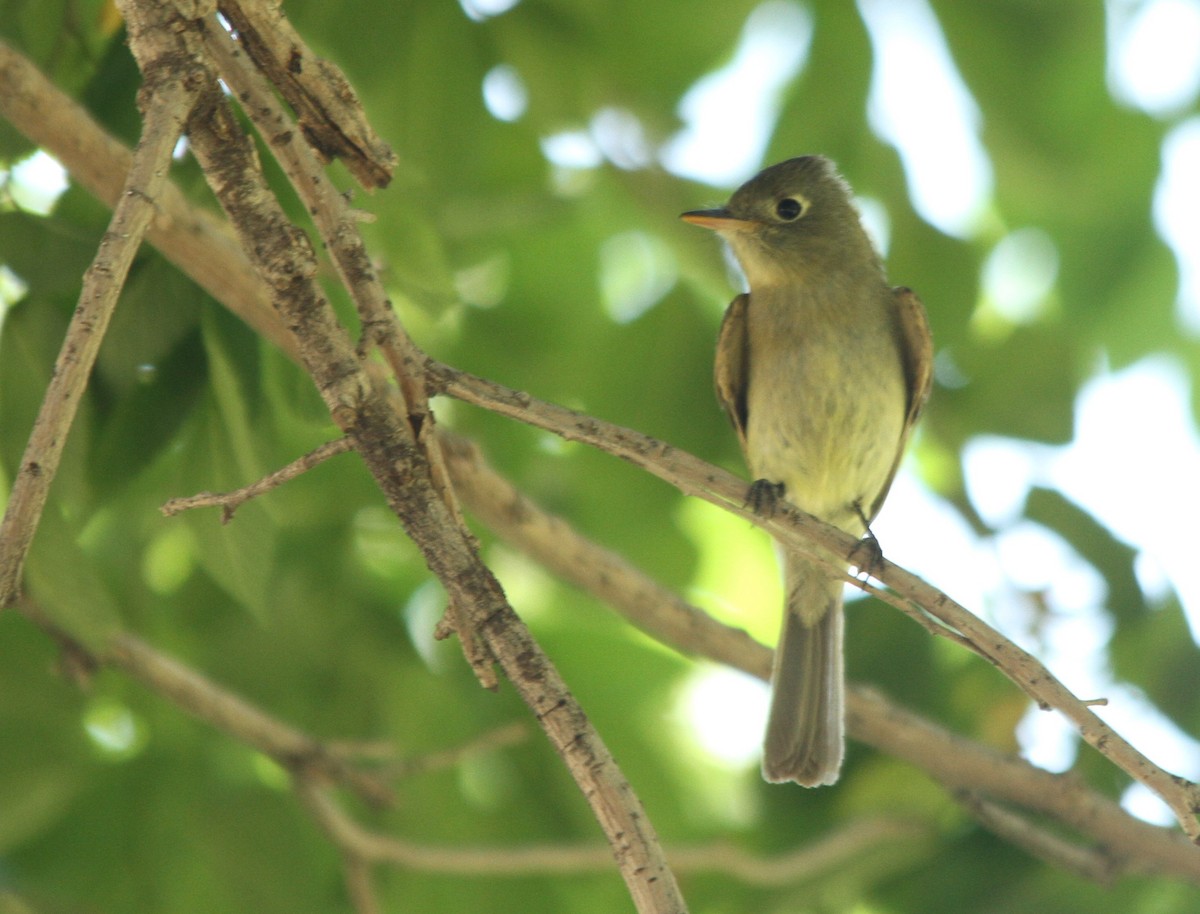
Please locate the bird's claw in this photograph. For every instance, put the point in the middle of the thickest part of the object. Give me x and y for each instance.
(867, 554)
(763, 497)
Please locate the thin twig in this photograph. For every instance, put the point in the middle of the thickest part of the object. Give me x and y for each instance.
(359, 887)
(229, 502)
(397, 766)
(165, 104)
(508, 735)
(860, 839)
(916, 613)
(1087, 862)
(840, 848)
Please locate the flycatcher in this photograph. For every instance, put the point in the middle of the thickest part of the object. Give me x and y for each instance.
(823, 369)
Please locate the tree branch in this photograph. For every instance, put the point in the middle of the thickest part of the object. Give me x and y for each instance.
(338, 228)
(330, 114)
(165, 103)
(364, 410)
(222, 709)
(957, 763)
(840, 848)
(196, 241)
(802, 532)
(1087, 862)
(314, 762)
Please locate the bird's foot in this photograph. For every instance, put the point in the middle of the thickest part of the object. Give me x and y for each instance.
(867, 554)
(764, 496)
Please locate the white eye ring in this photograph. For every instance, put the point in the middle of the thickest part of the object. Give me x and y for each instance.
(789, 209)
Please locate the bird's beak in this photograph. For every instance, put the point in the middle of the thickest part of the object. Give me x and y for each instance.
(719, 220)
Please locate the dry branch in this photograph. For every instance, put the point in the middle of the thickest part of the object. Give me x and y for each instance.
(229, 502)
(200, 244)
(338, 228)
(1130, 845)
(840, 848)
(389, 446)
(388, 443)
(803, 532)
(165, 103)
(324, 101)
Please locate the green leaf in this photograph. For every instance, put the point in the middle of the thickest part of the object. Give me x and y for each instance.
(66, 586)
(222, 451)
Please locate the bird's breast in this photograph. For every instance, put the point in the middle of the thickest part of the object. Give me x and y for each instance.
(826, 401)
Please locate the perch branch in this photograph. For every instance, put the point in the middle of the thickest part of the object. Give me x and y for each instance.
(801, 531)
(957, 763)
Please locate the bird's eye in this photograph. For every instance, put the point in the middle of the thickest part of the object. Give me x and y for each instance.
(789, 209)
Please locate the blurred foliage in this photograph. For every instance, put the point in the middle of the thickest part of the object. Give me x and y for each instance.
(312, 604)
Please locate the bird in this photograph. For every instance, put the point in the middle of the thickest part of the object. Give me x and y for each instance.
(823, 369)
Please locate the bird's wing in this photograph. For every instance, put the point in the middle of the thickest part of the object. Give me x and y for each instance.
(916, 350)
(916, 354)
(731, 366)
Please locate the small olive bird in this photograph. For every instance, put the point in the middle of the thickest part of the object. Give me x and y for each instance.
(823, 369)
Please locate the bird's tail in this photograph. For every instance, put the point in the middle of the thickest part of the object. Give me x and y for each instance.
(805, 730)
